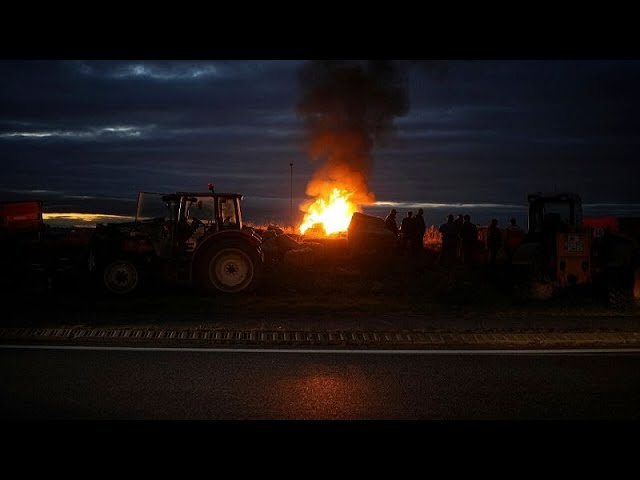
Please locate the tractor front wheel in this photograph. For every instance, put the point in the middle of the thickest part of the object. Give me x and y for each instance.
(121, 276)
(620, 287)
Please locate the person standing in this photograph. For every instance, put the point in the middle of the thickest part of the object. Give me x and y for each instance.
(469, 237)
(450, 237)
(494, 240)
(513, 237)
(421, 228)
(458, 223)
(407, 231)
(390, 221)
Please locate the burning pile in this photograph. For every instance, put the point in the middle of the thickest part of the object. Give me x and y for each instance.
(346, 106)
(331, 215)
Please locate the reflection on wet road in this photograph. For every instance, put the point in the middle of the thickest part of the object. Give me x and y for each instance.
(179, 384)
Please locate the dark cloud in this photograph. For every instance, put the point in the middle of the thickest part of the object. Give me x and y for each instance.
(475, 132)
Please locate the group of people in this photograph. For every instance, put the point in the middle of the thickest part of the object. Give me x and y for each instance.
(459, 237)
(509, 241)
(411, 231)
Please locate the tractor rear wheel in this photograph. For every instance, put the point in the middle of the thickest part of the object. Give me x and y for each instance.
(229, 269)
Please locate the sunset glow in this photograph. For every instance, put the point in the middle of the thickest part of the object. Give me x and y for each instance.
(85, 217)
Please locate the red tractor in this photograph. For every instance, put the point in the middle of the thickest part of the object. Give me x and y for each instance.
(184, 237)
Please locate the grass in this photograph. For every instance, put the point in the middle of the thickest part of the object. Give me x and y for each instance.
(402, 286)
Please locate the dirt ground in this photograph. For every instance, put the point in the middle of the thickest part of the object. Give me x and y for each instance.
(402, 292)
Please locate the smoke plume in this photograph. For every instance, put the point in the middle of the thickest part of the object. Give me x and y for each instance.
(348, 107)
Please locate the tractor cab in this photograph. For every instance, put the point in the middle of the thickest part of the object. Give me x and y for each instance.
(177, 222)
(210, 211)
(554, 213)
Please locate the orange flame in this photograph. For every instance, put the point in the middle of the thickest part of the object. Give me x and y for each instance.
(333, 213)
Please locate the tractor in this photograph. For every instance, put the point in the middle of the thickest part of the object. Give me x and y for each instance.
(563, 249)
(183, 237)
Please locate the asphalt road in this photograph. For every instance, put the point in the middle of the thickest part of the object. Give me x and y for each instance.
(182, 384)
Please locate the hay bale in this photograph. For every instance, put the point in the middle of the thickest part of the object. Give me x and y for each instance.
(368, 235)
(268, 235)
(276, 229)
(362, 220)
(270, 245)
(299, 257)
(286, 243)
(317, 247)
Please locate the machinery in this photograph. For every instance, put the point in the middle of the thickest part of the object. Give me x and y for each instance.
(185, 237)
(563, 249)
(20, 218)
(34, 255)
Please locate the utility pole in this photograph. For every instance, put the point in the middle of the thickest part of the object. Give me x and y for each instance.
(291, 197)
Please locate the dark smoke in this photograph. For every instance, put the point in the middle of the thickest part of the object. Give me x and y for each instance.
(348, 107)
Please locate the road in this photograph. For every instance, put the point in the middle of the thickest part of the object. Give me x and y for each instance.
(225, 384)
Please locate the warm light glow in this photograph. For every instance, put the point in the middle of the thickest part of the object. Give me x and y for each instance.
(333, 213)
(84, 217)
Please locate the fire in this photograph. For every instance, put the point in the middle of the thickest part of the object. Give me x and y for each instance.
(333, 213)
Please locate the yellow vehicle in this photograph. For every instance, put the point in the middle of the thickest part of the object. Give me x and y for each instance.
(564, 249)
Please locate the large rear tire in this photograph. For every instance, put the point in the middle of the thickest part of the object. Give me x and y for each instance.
(227, 269)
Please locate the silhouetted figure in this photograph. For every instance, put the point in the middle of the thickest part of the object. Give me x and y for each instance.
(513, 237)
(421, 228)
(469, 237)
(450, 236)
(408, 232)
(390, 221)
(458, 223)
(494, 240)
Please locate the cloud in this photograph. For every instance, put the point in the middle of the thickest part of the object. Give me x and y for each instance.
(486, 132)
(97, 133)
(175, 71)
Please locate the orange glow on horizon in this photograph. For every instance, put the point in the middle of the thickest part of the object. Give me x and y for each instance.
(84, 217)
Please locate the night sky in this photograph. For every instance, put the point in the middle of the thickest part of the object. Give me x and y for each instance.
(86, 136)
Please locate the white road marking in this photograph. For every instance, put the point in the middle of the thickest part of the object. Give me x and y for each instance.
(565, 351)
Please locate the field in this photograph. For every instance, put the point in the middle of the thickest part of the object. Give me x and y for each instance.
(403, 293)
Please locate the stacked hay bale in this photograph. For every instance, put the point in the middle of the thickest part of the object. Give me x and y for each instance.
(369, 236)
(281, 247)
(372, 246)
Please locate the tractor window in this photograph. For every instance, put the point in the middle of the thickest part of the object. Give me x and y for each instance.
(559, 210)
(152, 206)
(227, 213)
(201, 208)
(548, 214)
